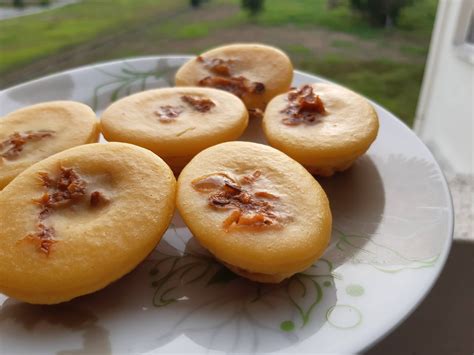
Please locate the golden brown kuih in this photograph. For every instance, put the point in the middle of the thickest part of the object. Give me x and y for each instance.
(175, 123)
(33, 133)
(254, 72)
(75, 222)
(323, 126)
(255, 209)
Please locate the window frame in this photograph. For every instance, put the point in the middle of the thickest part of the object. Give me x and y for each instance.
(463, 47)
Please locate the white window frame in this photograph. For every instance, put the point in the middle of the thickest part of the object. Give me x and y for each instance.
(463, 48)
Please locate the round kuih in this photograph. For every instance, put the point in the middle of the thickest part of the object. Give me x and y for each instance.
(175, 123)
(79, 220)
(323, 126)
(256, 73)
(255, 209)
(33, 133)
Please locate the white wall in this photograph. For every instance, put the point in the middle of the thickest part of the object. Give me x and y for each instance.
(445, 112)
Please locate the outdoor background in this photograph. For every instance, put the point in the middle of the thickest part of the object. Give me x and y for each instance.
(376, 47)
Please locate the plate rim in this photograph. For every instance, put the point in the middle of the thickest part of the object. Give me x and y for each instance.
(446, 247)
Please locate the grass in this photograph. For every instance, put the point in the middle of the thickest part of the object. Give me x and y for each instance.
(394, 85)
(393, 81)
(298, 49)
(193, 30)
(339, 43)
(311, 12)
(24, 39)
(414, 50)
(306, 13)
(416, 19)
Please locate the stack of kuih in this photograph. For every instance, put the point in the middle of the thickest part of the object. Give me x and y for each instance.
(75, 215)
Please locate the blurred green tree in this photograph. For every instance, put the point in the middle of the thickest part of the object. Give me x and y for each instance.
(195, 3)
(18, 3)
(254, 7)
(381, 12)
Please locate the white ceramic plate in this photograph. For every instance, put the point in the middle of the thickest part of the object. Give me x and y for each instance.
(393, 223)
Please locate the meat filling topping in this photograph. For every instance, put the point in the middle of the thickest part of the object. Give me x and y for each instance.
(11, 147)
(65, 190)
(304, 107)
(224, 80)
(200, 104)
(168, 113)
(216, 65)
(248, 207)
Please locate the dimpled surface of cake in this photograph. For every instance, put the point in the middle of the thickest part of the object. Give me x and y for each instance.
(323, 126)
(79, 220)
(175, 123)
(254, 72)
(33, 133)
(255, 209)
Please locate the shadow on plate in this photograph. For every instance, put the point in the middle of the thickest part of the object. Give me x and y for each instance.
(390, 212)
(36, 325)
(170, 296)
(188, 295)
(357, 200)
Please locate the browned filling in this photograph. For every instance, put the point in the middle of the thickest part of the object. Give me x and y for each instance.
(249, 208)
(239, 86)
(43, 238)
(98, 199)
(304, 106)
(67, 187)
(216, 65)
(198, 103)
(168, 113)
(255, 113)
(14, 144)
(65, 190)
(224, 80)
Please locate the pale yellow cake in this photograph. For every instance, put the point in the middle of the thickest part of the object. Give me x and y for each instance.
(33, 133)
(254, 72)
(255, 209)
(75, 222)
(175, 123)
(323, 126)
